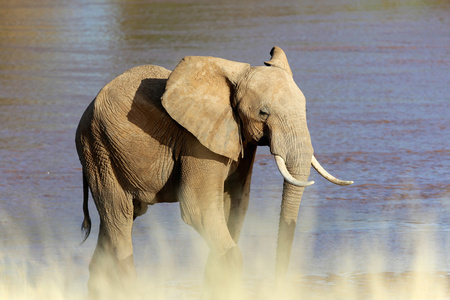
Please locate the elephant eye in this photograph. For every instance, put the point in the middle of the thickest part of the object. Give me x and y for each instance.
(264, 113)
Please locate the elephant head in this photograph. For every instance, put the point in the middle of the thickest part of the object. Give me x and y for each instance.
(227, 105)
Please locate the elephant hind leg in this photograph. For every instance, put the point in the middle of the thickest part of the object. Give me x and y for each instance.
(111, 268)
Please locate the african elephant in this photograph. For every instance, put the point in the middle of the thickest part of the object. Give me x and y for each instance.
(190, 136)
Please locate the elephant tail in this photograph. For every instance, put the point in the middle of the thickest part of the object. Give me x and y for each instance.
(86, 225)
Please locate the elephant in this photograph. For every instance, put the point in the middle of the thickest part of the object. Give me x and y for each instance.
(190, 136)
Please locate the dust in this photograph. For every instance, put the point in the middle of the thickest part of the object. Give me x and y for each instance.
(176, 272)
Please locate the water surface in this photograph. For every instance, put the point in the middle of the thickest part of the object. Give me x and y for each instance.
(376, 78)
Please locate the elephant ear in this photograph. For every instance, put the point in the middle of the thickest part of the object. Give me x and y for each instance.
(279, 60)
(199, 95)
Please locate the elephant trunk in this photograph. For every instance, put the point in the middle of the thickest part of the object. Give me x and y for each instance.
(299, 167)
(295, 172)
(281, 164)
(288, 220)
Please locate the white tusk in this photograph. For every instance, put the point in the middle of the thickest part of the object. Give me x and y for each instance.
(287, 176)
(327, 175)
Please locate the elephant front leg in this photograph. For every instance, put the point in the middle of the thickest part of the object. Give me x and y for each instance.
(223, 275)
(237, 192)
(223, 271)
(202, 208)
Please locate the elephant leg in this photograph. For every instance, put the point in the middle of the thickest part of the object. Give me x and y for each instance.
(202, 207)
(237, 199)
(223, 269)
(237, 193)
(111, 269)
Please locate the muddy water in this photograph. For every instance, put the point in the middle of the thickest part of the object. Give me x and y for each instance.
(377, 79)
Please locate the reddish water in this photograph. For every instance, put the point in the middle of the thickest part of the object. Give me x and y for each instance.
(377, 81)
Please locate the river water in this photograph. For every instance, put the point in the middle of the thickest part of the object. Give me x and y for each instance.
(376, 75)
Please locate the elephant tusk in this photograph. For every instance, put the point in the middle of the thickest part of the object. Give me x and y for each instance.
(281, 164)
(327, 175)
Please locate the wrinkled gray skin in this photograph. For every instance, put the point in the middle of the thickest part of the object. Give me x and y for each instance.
(190, 136)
